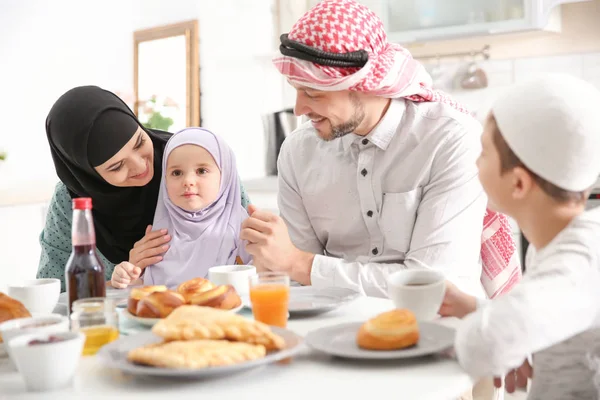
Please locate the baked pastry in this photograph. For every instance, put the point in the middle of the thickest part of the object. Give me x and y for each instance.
(391, 330)
(159, 304)
(194, 286)
(11, 309)
(196, 354)
(223, 297)
(139, 293)
(196, 322)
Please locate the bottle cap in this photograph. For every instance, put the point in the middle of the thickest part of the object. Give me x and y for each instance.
(82, 203)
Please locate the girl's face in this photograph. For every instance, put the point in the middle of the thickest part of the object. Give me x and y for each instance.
(193, 178)
(133, 165)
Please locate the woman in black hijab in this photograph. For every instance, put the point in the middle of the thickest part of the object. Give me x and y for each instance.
(100, 150)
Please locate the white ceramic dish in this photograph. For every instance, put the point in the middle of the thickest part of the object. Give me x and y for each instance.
(22, 326)
(237, 276)
(152, 321)
(340, 341)
(39, 296)
(419, 290)
(114, 355)
(47, 366)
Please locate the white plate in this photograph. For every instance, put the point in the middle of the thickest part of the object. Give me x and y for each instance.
(340, 340)
(114, 355)
(152, 321)
(309, 301)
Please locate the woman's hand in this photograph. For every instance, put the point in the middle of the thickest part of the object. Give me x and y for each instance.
(124, 275)
(149, 249)
(456, 303)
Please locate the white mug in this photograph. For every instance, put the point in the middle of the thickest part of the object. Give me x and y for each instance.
(39, 296)
(419, 290)
(234, 275)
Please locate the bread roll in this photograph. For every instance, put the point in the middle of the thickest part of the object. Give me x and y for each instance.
(194, 286)
(139, 293)
(159, 304)
(11, 309)
(223, 297)
(391, 330)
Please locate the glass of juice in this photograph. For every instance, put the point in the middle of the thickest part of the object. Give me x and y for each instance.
(270, 295)
(97, 318)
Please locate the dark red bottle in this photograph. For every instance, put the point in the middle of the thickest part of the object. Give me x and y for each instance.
(84, 271)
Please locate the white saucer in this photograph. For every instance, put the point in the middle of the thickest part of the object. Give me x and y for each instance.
(340, 341)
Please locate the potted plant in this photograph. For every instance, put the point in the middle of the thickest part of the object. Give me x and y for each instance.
(155, 113)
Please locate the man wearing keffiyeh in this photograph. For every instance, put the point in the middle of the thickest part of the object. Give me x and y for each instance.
(383, 176)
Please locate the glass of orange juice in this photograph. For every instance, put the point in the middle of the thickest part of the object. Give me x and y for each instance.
(97, 318)
(270, 295)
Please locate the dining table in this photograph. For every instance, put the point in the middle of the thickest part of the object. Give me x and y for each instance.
(310, 374)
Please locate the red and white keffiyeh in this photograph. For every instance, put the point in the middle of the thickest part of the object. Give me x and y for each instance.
(343, 26)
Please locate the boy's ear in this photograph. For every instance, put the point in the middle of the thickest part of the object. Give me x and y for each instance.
(522, 183)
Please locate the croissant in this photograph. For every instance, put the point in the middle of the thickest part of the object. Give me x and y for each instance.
(139, 293)
(391, 330)
(223, 297)
(194, 286)
(11, 309)
(159, 304)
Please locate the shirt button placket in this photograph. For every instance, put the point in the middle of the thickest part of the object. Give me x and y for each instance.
(367, 197)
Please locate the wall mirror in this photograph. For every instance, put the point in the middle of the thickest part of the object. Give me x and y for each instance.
(166, 76)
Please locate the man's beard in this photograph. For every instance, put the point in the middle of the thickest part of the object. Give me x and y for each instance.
(340, 130)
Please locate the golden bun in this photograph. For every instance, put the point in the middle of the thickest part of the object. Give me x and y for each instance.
(11, 309)
(159, 304)
(138, 293)
(223, 297)
(194, 286)
(391, 330)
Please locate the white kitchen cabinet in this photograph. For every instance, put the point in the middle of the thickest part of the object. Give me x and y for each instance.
(20, 227)
(408, 21)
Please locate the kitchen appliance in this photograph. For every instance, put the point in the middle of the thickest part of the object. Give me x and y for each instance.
(278, 126)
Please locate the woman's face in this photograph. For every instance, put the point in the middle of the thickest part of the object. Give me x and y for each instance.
(133, 165)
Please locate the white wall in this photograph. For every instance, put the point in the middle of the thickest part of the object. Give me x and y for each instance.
(47, 47)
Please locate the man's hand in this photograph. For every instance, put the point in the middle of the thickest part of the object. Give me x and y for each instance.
(272, 249)
(456, 303)
(516, 378)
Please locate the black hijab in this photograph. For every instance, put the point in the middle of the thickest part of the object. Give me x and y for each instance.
(85, 127)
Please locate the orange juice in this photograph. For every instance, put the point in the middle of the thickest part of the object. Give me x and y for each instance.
(270, 303)
(98, 336)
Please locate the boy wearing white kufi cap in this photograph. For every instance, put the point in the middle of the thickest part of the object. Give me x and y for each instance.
(540, 157)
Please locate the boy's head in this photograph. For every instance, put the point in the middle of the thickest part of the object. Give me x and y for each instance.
(541, 142)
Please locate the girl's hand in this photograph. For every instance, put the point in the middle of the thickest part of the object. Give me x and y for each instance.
(124, 274)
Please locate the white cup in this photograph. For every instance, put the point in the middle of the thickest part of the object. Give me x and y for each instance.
(47, 324)
(47, 366)
(237, 276)
(39, 296)
(419, 290)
